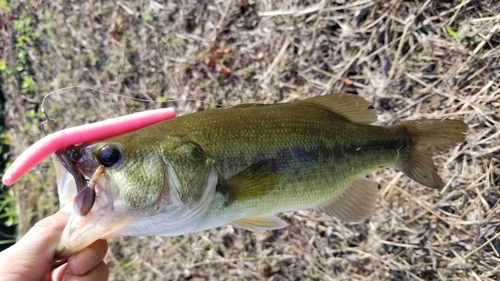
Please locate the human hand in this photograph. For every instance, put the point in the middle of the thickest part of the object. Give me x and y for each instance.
(32, 257)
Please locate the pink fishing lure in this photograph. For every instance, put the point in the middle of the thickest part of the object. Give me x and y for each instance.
(80, 134)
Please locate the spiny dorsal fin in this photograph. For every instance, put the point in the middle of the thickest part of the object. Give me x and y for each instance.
(261, 223)
(355, 203)
(352, 107)
(253, 182)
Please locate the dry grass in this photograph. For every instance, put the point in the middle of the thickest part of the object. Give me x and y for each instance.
(411, 59)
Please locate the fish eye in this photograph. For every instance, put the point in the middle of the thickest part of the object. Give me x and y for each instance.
(108, 155)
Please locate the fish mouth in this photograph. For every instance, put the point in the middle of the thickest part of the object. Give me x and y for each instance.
(92, 218)
(81, 231)
(66, 185)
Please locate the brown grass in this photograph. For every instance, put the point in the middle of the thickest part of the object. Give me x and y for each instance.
(403, 56)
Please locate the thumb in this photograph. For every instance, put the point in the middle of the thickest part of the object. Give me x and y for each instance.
(32, 257)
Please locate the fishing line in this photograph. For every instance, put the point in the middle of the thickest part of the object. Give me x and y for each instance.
(61, 91)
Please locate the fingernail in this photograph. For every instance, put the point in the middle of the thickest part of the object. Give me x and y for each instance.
(66, 275)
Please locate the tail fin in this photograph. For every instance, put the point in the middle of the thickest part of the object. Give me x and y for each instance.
(428, 136)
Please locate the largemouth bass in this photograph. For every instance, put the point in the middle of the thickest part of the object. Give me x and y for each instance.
(241, 165)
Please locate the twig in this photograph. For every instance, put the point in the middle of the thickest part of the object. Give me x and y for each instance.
(400, 47)
(488, 37)
(482, 246)
(277, 59)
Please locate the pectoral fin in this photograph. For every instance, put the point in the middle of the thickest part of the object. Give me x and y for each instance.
(355, 203)
(253, 182)
(261, 223)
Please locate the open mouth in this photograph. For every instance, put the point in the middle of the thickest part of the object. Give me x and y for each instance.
(84, 227)
(85, 188)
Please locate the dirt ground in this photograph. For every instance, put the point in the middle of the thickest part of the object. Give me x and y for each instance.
(410, 59)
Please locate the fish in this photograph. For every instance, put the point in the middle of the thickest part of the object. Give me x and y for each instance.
(243, 164)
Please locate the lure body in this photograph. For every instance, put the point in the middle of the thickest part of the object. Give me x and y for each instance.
(81, 134)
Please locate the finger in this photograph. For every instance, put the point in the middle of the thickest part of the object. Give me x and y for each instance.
(31, 257)
(88, 258)
(100, 272)
(81, 262)
(57, 273)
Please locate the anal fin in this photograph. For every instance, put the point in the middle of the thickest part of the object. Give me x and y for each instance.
(261, 223)
(355, 203)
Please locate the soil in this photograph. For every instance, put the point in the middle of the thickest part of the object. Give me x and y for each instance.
(410, 59)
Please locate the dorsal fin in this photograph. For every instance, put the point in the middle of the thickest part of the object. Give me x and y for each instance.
(354, 108)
